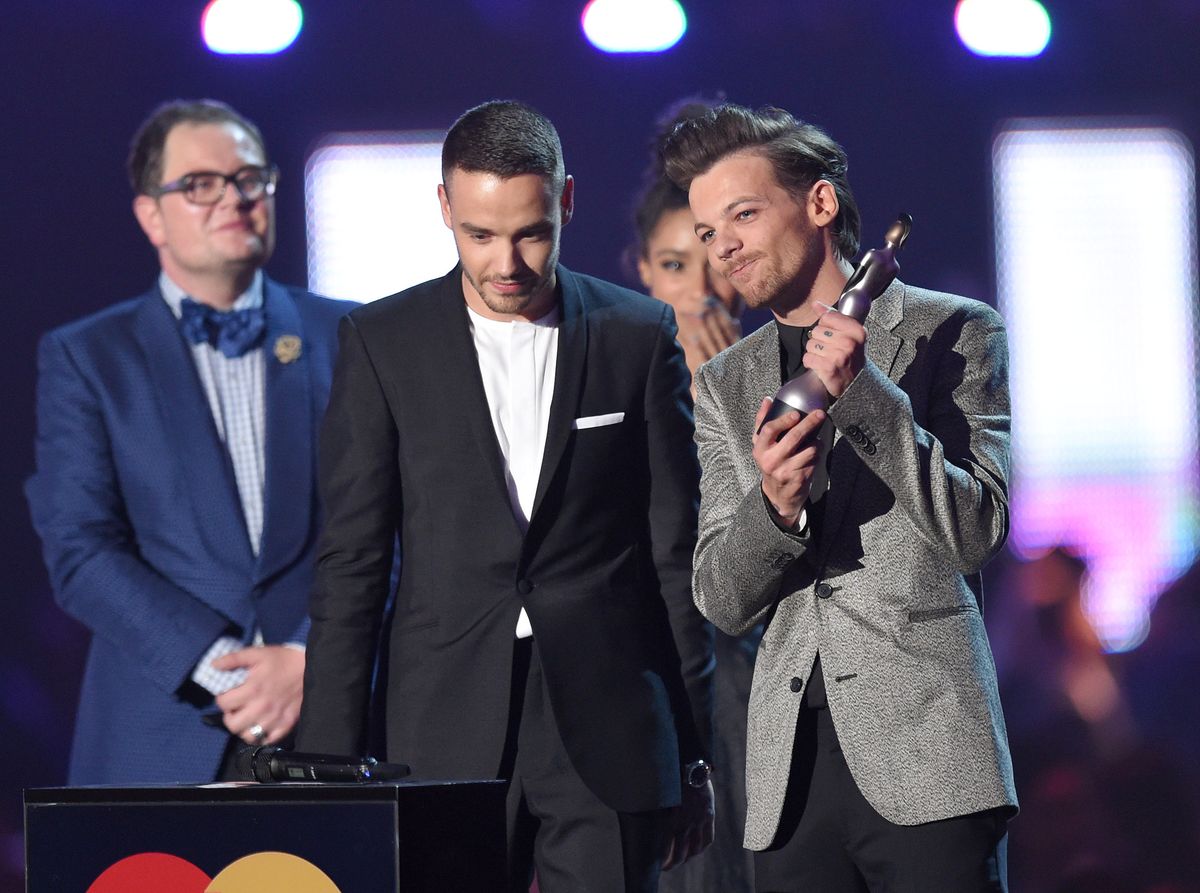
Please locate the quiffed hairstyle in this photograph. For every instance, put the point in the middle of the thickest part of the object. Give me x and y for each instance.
(145, 164)
(505, 138)
(800, 153)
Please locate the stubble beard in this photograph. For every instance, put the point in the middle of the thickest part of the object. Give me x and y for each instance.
(502, 304)
(509, 305)
(777, 290)
(764, 290)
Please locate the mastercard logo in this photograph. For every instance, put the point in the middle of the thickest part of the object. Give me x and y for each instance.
(257, 873)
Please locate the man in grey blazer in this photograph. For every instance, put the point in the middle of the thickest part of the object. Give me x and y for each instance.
(877, 757)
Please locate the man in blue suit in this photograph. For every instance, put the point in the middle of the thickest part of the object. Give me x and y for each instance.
(174, 491)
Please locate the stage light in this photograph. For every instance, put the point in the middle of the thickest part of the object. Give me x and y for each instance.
(1096, 235)
(634, 26)
(251, 27)
(1018, 28)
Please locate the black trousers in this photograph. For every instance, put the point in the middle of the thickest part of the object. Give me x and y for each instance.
(554, 822)
(830, 839)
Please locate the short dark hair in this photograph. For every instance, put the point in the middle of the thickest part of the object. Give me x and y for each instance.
(145, 164)
(800, 154)
(505, 138)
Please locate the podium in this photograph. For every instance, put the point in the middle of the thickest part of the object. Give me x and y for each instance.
(403, 837)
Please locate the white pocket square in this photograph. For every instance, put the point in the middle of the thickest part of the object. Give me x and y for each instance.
(598, 421)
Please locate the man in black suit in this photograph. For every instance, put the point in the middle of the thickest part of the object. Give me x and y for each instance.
(527, 432)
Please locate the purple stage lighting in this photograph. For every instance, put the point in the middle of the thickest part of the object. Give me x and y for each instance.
(1105, 456)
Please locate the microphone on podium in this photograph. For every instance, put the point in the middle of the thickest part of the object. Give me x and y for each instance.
(267, 764)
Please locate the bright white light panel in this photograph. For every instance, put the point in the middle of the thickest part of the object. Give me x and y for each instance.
(374, 223)
(1016, 28)
(1096, 264)
(251, 27)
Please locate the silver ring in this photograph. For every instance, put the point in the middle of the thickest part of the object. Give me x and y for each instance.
(257, 732)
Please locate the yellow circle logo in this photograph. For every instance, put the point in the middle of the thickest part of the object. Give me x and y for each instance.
(271, 873)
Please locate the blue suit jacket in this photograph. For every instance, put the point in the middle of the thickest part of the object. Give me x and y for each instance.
(143, 532)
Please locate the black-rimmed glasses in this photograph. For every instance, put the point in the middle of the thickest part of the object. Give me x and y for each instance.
(208, 187)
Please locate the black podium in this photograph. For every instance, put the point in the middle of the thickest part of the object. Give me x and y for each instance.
(436, 836)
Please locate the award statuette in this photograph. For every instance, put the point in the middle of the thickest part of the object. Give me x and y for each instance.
(874, 274)
(805, 392)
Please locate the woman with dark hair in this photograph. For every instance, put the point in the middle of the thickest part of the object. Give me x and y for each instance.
(673, 266)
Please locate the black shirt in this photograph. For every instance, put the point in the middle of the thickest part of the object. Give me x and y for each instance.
(793, 340)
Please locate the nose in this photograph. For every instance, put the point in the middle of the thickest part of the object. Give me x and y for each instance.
(232, 195)
(511, 264)
(724, 244)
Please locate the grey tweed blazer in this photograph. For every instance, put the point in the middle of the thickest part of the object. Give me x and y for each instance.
(889, 590)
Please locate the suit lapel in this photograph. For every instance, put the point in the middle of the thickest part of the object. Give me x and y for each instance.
(462, 382)
(191, 433)
(568, 380)
(287, 497)
(760, 377)
(883, 344)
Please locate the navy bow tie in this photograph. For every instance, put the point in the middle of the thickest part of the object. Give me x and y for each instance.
(232, 332)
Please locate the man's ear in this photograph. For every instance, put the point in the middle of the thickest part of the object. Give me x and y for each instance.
(149, 218)
(444, 201)
(567, 201)
(823, 204)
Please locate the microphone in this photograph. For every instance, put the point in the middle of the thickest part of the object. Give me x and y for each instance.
(268, 765)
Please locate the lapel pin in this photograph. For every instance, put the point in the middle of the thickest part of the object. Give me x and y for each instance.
(287, 348)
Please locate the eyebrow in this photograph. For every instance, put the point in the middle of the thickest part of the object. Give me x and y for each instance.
(725, 211)
(258, 168)
(542, 226)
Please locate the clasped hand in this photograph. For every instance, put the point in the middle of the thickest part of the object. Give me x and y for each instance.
(269, 698)
(706, 328)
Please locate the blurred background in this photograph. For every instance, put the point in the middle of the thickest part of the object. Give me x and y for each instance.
(1058, 185)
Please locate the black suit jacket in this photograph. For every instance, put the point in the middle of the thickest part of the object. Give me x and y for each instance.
(604, 570)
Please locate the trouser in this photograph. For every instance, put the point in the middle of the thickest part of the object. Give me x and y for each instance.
(554, 822)
(830, 839)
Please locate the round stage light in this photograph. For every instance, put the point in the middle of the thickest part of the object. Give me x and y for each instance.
(1019, 28)
(251, 27)
(634, 26)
